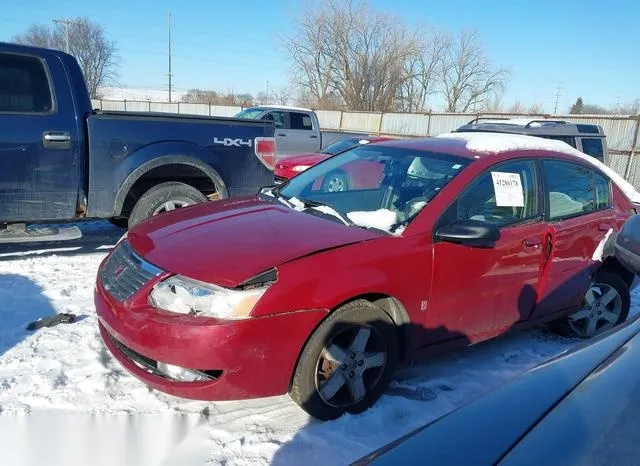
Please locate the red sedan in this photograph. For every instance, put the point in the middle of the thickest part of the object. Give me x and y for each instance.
(339, 180)
(322, 294)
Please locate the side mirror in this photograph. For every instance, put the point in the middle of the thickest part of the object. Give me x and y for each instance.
(471, 233)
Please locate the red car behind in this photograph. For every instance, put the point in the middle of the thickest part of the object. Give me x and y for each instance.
(322, 294)
(350, 177)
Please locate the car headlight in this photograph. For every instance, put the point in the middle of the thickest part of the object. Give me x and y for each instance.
(300, 168)
(186, 296)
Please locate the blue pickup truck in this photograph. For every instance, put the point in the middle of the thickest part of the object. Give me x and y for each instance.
(61, 161)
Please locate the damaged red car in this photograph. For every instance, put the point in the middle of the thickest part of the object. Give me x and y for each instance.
(322, 294)
(345, 178)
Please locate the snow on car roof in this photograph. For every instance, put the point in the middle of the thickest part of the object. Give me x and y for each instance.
(496, 143)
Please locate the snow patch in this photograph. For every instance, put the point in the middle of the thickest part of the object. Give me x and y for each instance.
(495, 143)
(382, 219)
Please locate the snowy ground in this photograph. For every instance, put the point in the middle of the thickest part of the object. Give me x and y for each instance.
(67, 369)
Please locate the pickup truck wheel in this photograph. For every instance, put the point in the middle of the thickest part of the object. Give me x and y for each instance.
(162, 198)
(120, 222)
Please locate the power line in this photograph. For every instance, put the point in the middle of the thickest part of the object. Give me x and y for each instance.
(170, 75)
(66, 23)
(555, 108)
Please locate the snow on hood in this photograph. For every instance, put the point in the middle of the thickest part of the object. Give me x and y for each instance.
(495, 143)
(382, 219)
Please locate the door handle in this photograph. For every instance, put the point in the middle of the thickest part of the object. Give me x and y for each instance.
(532, 242)
(604, 227)
(281, 134)
(314, 136)
(56, 139)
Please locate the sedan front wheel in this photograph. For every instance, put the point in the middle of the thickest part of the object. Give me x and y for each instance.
(347, 363)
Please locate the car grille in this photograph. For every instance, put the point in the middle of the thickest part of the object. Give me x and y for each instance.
(125, 272)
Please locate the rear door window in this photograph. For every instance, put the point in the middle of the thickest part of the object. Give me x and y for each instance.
(570, 189)
(277, 118)
(24, 85)
(300, 121)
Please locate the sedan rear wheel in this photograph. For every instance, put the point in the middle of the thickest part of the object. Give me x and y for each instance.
(605, 305)
(347, 363)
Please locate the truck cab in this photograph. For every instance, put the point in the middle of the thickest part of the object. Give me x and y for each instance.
(62, 161)
(297, 129)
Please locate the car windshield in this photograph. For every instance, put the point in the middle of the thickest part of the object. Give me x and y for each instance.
(378, 187)
(340, 146)
(249, 113)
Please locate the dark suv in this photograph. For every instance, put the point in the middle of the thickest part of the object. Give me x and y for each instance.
(587, 138)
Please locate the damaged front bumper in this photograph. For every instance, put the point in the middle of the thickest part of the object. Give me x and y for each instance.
(204, 358)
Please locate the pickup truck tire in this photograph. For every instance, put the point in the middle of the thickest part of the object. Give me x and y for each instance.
(164, 197)
(120, 222)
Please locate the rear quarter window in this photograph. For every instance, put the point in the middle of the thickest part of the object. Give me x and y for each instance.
(24, 85)
(300, 121)
(593, 147)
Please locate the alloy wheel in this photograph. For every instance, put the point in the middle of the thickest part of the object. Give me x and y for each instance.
(350, 365)
(599, 312)
(171, 205)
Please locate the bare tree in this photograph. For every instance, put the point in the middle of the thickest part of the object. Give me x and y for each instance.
(631, 108)
(419, 78)
(466, 76)
(311, 58)
(344, 47)
(200, 96)
(494, 105)
(282, 95)
(88, 43)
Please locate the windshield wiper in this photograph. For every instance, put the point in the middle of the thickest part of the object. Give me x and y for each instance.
(327, 209)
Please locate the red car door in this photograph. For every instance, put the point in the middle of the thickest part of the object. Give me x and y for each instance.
(580, 216)
(478, 292)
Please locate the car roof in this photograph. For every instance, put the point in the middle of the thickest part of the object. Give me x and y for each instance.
(533, 126)
(279, 107)
(475, 145)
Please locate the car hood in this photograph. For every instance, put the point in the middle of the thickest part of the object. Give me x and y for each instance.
(302, 159)
(228, 242)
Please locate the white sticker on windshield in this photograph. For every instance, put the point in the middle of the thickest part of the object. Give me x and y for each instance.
(508, 189)
(457, 166)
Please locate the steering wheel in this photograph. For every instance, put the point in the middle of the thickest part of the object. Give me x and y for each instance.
(413, 206)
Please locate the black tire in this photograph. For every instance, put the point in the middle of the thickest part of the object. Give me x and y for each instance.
(563, 325)
(336, 179)
(153, 200)
(352, 317)
(120, 222)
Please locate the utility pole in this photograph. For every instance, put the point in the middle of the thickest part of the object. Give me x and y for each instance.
(170, 75)
(555, 108)
(66, 23)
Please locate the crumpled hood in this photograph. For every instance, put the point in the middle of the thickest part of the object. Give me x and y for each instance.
(227, 242)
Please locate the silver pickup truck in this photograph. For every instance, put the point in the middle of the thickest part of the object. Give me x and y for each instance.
(297, 129)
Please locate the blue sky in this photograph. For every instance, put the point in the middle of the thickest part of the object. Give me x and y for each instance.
(590, 48)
